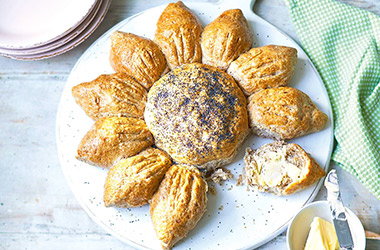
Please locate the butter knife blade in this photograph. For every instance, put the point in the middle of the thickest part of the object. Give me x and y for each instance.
(337, 211)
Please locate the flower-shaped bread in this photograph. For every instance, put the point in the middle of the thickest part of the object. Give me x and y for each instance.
(196, 113)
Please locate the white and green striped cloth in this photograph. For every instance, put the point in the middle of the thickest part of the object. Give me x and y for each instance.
(343, 42)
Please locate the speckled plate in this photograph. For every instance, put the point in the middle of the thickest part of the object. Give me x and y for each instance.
(235, 218)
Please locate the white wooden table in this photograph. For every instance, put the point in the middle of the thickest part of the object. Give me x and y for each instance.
(37, 209)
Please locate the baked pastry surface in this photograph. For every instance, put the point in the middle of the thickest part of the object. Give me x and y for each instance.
(179, 204)
(137, 56)
(284, 113)
(131, 182)
(116, 94)
(280, 168)
(113, 138)
(178, 34)
(197, 114)
(264, 67)
(224, 39)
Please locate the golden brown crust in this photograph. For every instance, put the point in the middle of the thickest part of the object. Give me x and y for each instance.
(284, 113)
(138, 57)
(111, 95)
(198, 122)
(264, 67)
(224, 39)
(178, 34)
(179, 204)
(131, 182)
(315, 172)
(258, 161)
(113, 138)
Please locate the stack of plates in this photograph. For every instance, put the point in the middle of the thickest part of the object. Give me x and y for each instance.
(32, 30)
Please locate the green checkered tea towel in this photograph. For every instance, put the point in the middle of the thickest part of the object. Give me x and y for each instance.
(343, 42)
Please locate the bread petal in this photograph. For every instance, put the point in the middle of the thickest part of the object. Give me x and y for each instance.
(264, 67)
(179, 204)
(113, 138)
(111, 95)
(131, 182)
(178, 34)
(138, 57)
(284, 113)
(224, 39)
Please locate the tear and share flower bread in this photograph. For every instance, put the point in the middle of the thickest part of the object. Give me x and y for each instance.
(197, 114)
(137, 56)
(116, 94)
(178, 34)
(284, 113)
(280, 168)
(131, 182)
(113, 138)
(179, 204)
(224, 39)
(264, 67)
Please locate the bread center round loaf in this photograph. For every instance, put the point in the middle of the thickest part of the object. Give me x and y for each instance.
(198, 114)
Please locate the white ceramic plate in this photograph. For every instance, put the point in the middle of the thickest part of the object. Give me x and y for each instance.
(26, 24)
(235, 218)
(67, 43)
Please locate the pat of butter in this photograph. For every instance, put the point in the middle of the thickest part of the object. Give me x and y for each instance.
(322, 236)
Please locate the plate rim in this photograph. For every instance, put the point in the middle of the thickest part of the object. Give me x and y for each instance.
(73, 42)
(59, 42)
(53, 39)
(253, 16)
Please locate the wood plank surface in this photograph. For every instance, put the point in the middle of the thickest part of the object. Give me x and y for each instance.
(37, 208)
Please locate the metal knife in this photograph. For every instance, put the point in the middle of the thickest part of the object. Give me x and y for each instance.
(337, 211)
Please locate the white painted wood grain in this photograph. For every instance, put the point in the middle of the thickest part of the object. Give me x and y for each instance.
(37, 209)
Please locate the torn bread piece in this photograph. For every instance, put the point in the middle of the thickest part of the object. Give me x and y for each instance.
(280, 168)
(221, 175)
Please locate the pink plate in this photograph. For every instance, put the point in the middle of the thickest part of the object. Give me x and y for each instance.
(56, 43)
(72, 43)
(27, 24)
